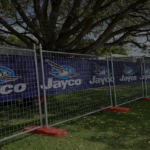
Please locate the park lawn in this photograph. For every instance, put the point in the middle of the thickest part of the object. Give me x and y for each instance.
(102, 130)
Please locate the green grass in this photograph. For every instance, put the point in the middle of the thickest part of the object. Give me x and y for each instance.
(103, 130)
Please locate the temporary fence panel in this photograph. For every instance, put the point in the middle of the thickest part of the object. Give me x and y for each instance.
(128, 85)
(19, 93)
(146, 75)
(75, 85)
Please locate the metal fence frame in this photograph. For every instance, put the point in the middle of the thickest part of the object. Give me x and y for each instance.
(38, 90)
(114, 86)
(45, 100)
(144, 61)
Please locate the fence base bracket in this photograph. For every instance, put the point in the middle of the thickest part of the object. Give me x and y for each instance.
(116, 108)
(50, 131)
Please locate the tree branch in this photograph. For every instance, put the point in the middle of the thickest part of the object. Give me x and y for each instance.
(22, 14)
(7, 32)
(13, 44)
(44, 9)
(52, 22)
(86, 28)
(111, 26)
(21, 37)
(37, 9)
(132, 42)
(139, 16)
(71, 16)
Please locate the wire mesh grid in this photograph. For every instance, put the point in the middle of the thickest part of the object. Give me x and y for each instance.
(128, 81)
(68, 93)
(18, 94)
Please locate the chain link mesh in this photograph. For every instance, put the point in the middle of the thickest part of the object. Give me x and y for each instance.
(126, 91)
(18, 93)
(71, 104)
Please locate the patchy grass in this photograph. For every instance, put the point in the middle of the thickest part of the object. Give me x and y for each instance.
(103, 130)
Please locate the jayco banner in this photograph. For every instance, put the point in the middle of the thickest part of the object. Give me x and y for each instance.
(18, 77)
(69, 74)
(127, 72)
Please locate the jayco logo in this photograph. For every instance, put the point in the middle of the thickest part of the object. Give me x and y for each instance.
(102, 72)
(128, 71)
(147, 71)
(7, 75)
(62, 72)
(146, 75)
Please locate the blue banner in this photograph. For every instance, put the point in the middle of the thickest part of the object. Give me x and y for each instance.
(18, 75)
(127, 72)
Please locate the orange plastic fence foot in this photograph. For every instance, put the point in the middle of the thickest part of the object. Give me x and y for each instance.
(116, 108)
(50, 131)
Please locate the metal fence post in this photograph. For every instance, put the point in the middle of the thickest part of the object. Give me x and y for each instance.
(109, 79)
(145, 78)
(44, 91)
(38, 88)
(141, 60)
(113, 79)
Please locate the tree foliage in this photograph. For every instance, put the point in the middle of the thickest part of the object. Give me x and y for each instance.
(113, 49)
(63, 25)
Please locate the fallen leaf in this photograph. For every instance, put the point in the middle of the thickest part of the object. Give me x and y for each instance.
(92, 121)
(133, 128)
(72, 136)
(117, 135)
(123, 128)
(137, 117)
